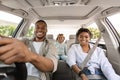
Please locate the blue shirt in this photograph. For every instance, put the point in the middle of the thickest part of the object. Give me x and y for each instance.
(61, 48)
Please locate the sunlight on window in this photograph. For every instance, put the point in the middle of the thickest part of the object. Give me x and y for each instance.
(94, 29)
(63, 30)
(9, 17)
(8, 23)
(96, 33)
(115, 20)
(30, 32)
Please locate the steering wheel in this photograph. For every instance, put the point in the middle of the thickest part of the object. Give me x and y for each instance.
(20, 71)
(17, 72)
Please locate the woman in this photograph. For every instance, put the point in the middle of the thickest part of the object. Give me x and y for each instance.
(61, 47)
(98, 63)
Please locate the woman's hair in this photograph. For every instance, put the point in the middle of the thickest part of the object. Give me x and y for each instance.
(42, 22)
(59, 35)
(83, 30)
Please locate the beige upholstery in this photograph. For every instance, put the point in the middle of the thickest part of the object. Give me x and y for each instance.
(72, 39)
(50, 37)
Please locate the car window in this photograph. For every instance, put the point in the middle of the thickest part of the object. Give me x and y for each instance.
(96, 33)
(30, 32)
(8, 23)
(115, 20)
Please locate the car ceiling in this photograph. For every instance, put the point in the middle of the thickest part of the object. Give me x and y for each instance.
(65, 12)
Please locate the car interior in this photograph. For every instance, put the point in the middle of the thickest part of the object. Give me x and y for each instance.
(67, 16)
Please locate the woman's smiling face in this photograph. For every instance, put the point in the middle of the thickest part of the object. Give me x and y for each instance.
(83, 38)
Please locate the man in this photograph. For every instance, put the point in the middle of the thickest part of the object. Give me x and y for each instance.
(39, 52)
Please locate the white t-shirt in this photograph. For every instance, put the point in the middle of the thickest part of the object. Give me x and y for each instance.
(37, 46)
(32, 71)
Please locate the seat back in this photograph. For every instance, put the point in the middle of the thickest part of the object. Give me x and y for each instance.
(50, 37)
(71, 41)
(63, 72)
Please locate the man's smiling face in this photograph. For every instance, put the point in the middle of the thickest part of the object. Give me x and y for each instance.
(40, 30)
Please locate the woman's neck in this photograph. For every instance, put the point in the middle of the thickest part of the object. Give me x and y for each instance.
(85, 48)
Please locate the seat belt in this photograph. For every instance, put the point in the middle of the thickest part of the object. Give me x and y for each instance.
(91, 51)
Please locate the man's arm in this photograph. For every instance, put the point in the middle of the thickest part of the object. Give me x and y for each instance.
(13, 50)
(42, 63)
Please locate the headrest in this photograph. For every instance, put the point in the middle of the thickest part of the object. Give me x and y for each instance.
(72, 36)
(49, 36)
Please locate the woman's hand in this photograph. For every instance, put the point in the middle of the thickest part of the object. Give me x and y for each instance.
(79, 72)
(84, 77)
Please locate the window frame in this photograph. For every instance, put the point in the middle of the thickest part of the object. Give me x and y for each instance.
(113, 30)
